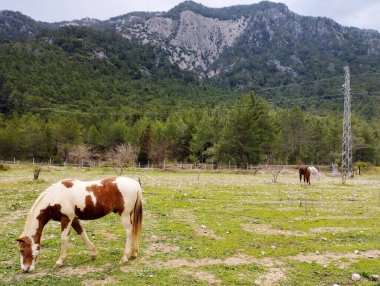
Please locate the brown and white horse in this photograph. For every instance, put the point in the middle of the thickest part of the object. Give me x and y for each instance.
(69, 201)
(305, 172)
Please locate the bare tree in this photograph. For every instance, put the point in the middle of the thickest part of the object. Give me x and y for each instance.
(275, 171)
(273, 168)
(79, 153)
(121, 156)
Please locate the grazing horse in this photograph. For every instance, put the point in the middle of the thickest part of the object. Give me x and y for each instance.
(315, 171)
(305, 172)
(69, 201)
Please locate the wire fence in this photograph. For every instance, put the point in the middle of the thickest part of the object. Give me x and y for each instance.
(168, 166)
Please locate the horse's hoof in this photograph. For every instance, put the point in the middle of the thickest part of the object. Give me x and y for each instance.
(93, 255)
(133, 257)
(123, 261)
(58, 264)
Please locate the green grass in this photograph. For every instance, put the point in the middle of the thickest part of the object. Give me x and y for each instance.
(213, 228)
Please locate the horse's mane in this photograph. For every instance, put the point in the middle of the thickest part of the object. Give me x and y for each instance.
(32, 213)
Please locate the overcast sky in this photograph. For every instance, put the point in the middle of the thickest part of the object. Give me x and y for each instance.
(357, 13)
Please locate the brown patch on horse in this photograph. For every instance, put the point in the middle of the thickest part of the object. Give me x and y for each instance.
(68, 183)
(108, 199)
(77, 226)
(307, 175)
(25, 245)
(46, 214)
(305, 172)
(64, 221)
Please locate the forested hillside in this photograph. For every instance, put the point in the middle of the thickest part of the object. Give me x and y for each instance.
(75, 92)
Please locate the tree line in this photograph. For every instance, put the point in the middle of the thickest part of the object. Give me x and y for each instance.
(251, 131)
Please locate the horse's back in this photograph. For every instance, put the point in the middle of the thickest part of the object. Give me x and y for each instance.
(94, 199)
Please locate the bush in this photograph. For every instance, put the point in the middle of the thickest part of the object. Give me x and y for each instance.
(4, 167)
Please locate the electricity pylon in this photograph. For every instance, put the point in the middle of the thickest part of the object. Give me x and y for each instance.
(347, 144)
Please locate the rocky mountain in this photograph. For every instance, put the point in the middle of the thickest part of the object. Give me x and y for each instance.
(15, 25)
(243, 46)
(240, 47)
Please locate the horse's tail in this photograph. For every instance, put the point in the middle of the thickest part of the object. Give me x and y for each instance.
(137, 216)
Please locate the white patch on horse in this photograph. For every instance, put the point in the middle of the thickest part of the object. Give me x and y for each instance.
(314, 171)
(76, 196)
(35, 250)
(129, 194)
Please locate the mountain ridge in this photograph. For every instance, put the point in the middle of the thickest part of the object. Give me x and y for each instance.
(237, 47)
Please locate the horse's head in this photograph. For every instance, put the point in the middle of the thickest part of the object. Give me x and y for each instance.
(28, 253)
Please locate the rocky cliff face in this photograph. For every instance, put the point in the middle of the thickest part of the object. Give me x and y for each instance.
(240, 40)
(193, 41)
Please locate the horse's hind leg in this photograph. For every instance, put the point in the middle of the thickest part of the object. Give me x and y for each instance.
(135, 247)
(65, 228)
(126, 221)
(82, 233)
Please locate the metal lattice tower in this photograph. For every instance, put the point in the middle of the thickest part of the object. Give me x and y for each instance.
(347, 144)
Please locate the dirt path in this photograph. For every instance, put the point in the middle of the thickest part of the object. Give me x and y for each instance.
(275, 266)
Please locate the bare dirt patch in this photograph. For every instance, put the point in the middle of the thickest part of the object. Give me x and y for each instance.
(327, 258)
(31, 276)
(272, 277)
(63, 272)
(235, 260)
(275, 273)
(204, 276)
(77, 271)
(157, 244)
(336, 229)
(200, 230)
(269, 230)
(106, 281)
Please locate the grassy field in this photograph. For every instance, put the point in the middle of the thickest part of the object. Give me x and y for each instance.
(213, 228)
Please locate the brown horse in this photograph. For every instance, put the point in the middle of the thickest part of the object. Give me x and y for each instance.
(305, 172)
(69, 201)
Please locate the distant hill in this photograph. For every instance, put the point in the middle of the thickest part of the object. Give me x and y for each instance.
(239, 48)
(170, 85)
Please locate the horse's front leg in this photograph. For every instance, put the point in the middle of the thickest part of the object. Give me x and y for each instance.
(126, 221)
(82, 233)
(65, 228)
